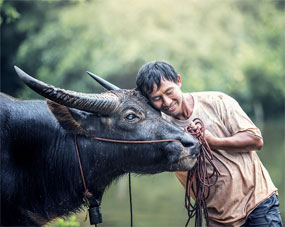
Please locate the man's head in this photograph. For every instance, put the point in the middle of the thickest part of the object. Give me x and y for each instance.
(161, 84)
(152, 73)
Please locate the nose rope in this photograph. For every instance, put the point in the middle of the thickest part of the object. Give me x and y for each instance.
(133, 141)
(198, 178)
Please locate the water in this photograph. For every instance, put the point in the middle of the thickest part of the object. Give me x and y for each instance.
(158, 200)
(272, 156)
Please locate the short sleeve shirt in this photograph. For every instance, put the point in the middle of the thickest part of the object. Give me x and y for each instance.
(244, 182)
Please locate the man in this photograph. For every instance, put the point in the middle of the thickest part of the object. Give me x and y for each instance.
(244, 193)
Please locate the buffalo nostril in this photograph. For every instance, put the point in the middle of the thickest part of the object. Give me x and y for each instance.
(192, 144)
(188, 142)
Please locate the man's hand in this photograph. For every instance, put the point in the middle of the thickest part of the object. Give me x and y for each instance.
(210, 138)
(194, 127)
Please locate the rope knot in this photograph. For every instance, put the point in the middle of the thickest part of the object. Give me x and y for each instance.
(88, 194)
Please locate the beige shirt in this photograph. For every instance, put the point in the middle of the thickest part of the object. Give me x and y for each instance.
(244, 182)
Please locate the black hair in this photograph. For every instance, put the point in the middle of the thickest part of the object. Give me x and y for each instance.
(152, 73)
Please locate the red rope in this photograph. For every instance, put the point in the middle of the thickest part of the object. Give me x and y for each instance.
(87, 194)
(134, 141)
(201, 177)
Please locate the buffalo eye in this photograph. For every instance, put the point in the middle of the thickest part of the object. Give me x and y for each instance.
(132, 117)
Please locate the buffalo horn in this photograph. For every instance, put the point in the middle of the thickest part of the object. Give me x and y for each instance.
(97, 103)
(103, 82)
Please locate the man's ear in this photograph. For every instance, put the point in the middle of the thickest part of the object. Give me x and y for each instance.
(67, 118)
(179, 81)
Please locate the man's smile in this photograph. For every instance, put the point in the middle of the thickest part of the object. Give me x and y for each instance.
(172, 107)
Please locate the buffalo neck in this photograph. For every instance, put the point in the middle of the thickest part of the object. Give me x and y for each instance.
(45, 157)
(63, 182)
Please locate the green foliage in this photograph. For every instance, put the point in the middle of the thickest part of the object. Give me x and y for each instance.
(8, 12)
(32, 17)
(263, 56)
(232, 46)
(69, 222)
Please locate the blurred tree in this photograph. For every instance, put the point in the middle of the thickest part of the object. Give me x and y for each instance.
(231, 46)
(263, 56)
(8, 12)
(20, 20)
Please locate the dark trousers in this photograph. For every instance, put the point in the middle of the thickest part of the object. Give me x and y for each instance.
(265, 214)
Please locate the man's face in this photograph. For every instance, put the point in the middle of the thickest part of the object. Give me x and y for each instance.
(168, 98)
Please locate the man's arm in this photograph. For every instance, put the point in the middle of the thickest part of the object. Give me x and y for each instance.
(240, 142)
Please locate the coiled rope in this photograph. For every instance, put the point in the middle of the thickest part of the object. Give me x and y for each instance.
(199, 180)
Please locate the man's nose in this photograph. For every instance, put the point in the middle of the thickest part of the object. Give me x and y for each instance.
(166, 101)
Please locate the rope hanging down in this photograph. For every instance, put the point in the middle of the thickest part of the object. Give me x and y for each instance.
(199, 180)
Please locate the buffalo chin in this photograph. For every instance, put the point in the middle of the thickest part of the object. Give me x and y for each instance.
(183, 164)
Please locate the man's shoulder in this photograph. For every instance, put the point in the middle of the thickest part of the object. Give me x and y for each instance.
(211, 96)
(213, 100)
(215, 94)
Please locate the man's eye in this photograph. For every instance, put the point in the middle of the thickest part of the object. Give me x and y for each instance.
(169, 92)
(131, 117)
(156, 99)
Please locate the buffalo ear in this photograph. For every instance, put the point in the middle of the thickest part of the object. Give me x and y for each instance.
(65, 118)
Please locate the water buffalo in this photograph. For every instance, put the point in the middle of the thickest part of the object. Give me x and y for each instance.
(40, 174)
